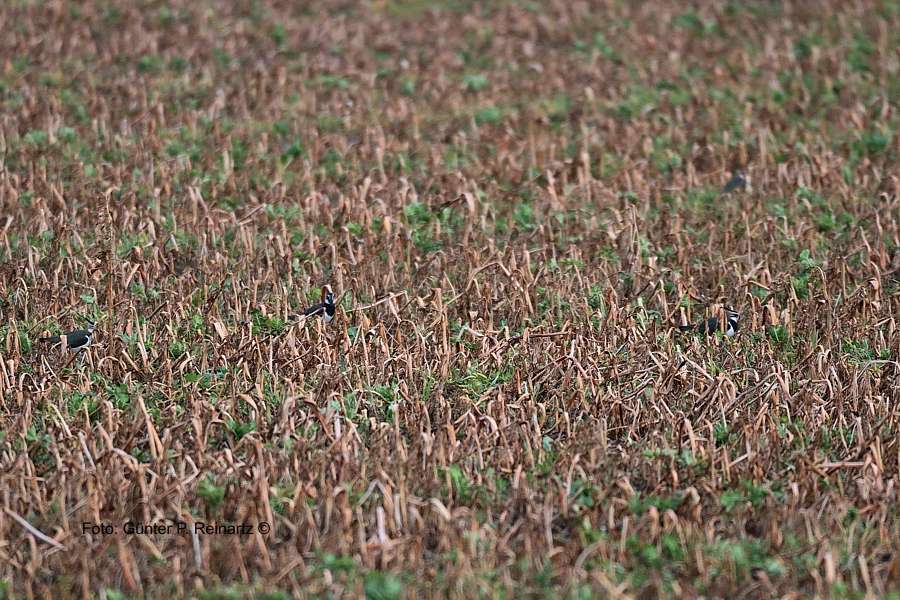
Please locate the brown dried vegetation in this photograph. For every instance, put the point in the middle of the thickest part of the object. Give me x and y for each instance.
(514, 203)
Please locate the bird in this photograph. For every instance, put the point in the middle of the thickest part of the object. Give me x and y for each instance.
(325, 308)
(75, 340)
(711, 325)
(738, 181)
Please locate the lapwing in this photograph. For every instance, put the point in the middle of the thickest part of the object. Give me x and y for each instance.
(738, 181)
(712, 325)
(75, 340)
(325, 308)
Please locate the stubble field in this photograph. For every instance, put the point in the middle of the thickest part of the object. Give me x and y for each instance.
(513, 202)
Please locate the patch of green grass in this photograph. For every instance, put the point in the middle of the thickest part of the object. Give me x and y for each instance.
(860, 53)
(747, 492)
(267, 324)
(871, 143)
(557, 108)
(691, 22)
(477, 381)
(79, 402)
(408, 86)
(119, 394)
(329, 81)
(489, 115)
(638, 504)
(382, 586)
(212, 495)
(222, 593)
(37, 139)
(801, 281)
(418, 217)
(524, 216)
(239, 429)
(859, 352)
(475, 82)
(460, 485)
(387, 398)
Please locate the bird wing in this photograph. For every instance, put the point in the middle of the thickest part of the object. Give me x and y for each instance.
(53, 339)
(733, 184)
(314, 310)
(710, 326)
(77, 339)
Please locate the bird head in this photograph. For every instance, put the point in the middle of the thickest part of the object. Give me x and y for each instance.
(327, 295)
